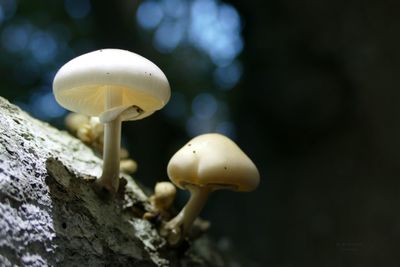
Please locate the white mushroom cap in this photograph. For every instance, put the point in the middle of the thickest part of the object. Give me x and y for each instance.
(213, 160)
(81, 84)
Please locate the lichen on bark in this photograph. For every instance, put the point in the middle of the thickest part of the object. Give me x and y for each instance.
(51, 216)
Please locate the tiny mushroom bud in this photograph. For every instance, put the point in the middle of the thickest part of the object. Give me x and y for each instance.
(123, 154)
(161, 200)
(128, 166)
(164, 196)
(74, 121)
(115, 85)
(92, 134)
(207, 163)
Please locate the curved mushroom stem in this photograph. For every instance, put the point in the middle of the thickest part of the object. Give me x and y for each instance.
(180, 225)
(112, 143)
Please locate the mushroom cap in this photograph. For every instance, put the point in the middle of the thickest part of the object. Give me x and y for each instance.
(164, 189)
(215, 161)
(81, 85)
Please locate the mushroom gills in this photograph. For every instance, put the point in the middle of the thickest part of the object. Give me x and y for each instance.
(126, 112)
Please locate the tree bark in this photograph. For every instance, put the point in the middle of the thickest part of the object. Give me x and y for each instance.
(51, 216)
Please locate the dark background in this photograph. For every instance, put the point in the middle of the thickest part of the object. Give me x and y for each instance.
(313, 100)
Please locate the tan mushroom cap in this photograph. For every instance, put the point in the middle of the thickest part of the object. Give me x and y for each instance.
(164, 195)
(80, 85)
(213, 160)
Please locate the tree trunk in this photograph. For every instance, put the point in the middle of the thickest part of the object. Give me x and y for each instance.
(51, 216)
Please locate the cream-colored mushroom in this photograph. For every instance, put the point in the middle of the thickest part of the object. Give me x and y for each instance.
(164, 196)
(115, 85)
(161, 200)
(207, 163)
(74, 121)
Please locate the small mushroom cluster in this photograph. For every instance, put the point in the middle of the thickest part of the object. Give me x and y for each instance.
(91, 132)
(88, 129)
(117, 85)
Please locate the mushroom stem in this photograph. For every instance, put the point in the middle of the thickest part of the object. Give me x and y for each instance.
(179, 226)
(112, 143)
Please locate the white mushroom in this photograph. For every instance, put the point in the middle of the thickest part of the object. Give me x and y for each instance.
(207, 163)
(115, 85)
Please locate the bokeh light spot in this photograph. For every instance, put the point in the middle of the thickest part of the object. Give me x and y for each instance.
(44, 106)
(209, 25)
(168, 36)
(228, 76)
(204, 106)
(149, 14)
(227, 128)
(174, 8)
(229, 18)
(196, 126)
(215, 29)
(43, 47)
(15, 38)
(77, 9)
